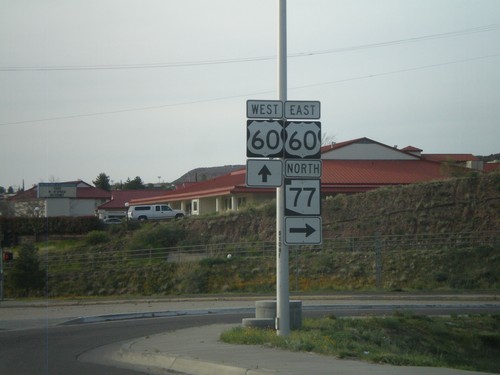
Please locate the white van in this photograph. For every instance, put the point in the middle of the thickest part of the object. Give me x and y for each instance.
(153, 212)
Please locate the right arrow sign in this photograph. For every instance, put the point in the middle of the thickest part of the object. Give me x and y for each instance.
(307, 230)
(303, 230)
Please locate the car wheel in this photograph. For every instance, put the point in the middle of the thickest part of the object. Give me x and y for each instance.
(143, 218)
(179, 216)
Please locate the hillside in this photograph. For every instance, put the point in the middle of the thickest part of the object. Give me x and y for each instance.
(468, 204)
(491, 157)
(434, 236)
(206, 173)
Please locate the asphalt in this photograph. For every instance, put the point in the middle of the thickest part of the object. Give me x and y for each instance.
(198, 351)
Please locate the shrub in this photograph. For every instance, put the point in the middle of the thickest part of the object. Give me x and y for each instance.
(156, 236)
(97, 237)
(26, 275)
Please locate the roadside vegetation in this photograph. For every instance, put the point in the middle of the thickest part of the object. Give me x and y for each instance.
(438, 236)
(165, 259)
(403, 339)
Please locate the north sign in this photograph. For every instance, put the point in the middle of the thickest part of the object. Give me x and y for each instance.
(269, 109)
(299, 168)
(303, 110)
(302, 197)
(264, 173)
(303, 230)
(264, 138)
(302, 140)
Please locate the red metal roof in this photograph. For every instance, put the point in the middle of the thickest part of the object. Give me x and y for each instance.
(120, 197)
(92, 193)
(84, 191)
(221, 185)
(452, 157)
(491, 166)
(411, 149)
(347, 176)
(379, 171)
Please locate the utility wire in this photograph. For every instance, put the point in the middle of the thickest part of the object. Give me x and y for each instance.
(422, 67)
(449, 34)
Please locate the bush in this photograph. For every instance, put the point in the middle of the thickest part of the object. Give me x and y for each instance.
(156, 236)
(22, 226)
(26, 275)
(97, 237)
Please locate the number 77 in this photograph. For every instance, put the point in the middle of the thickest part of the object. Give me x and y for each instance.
(299, 190)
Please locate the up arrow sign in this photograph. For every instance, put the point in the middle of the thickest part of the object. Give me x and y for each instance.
(264, 172)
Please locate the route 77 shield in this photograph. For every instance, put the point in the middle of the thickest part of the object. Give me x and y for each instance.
(302, 197)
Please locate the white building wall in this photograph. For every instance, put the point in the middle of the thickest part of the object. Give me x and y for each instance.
(366, 151)
(82, 207)
(207, 206)
(57, 207)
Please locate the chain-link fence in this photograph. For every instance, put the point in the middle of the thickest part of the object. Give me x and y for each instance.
(395, 262)
(374, 244)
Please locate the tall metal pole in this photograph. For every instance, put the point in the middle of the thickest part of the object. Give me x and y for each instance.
(282, 257)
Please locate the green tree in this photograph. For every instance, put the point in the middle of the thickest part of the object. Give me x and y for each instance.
(135, 184)
(102, 182)
(27, 276)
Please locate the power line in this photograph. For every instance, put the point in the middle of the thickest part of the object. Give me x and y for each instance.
(422, 67)
(479, 29)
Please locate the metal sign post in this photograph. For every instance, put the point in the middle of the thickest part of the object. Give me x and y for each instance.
(282, 272)
(291, 149)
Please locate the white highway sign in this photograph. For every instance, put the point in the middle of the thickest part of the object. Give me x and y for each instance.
(264, 173)
(302, 197)
(304, 110)
(265, 138)
(303, 230)
(270, 109)
(300, 168)
(303, 140)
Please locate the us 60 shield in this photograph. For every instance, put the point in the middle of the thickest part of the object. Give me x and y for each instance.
(265, 139)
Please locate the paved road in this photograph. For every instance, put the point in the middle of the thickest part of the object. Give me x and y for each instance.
(32, 341)
(56, 350)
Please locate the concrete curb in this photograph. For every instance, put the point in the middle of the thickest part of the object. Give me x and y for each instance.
(156, 314)
(165, 362)
(249, 310)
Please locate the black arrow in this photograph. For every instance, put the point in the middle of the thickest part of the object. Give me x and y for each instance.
(308, 230)
(264, 172)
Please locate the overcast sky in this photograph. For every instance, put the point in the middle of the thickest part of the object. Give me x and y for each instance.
(154, 88)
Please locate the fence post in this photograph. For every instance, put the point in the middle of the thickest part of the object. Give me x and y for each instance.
(378, 260)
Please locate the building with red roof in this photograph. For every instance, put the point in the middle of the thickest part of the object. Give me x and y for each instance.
(354, 166)
(116, 206)
(71, 198)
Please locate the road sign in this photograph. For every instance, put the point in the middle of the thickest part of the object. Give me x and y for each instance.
(264, 138)
(304, 110)
(303, 230)
(303, 140)
(300, 168)
(302, 197)
(264, 173)
(269, 109)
